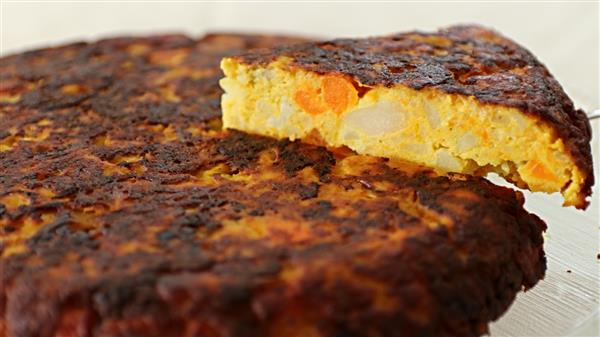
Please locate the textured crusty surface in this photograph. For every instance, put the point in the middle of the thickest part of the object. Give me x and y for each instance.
(464, 60)
(125, 211)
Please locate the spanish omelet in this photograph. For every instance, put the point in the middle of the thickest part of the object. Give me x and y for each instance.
(126, 210)
(463, 99)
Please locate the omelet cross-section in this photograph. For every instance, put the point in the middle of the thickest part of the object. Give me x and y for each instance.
(463, 99)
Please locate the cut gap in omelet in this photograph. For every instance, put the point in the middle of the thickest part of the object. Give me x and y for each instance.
(456, 125)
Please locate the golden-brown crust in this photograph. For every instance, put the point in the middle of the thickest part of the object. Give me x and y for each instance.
(153, 222)
(465, 60)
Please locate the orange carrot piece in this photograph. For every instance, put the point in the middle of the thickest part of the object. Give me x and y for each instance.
(540, 171)
(339, 93)
(308, 99)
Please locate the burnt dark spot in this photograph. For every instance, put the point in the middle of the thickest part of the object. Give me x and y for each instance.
(165, 236)
(319, 211)
(266, 268)
(309, 191)
(9, 228)
(51, 205)
(232, 294)
(113, 299)
(257, 212)
(242, 149)
(48, 231)
(237, 206)
(195, 220)
(66, 190)
(295, 156)
(173, 158)
(161, 113)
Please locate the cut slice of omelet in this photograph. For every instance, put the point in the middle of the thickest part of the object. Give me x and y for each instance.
(463, 99)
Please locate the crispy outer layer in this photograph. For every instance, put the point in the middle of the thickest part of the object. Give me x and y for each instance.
(465, 60)
(126, 211)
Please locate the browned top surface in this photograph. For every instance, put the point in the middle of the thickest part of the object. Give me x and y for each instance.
(465, 60)
(125, 211)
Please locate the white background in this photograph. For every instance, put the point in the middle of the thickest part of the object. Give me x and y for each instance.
(564, 35)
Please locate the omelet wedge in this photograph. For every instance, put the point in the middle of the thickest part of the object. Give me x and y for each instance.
(462, 99)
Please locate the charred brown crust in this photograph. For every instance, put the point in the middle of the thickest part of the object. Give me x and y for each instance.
(464, 60)
(145, 209)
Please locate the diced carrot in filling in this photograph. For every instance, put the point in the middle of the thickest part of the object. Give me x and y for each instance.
(335, 94)
(308, 99)
(539, 170)
(339, 93)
